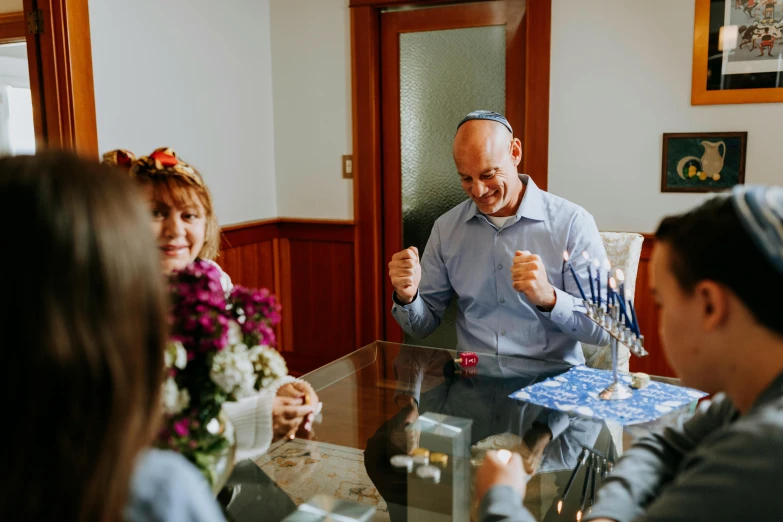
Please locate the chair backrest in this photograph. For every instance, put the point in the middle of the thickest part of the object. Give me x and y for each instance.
(624, 250)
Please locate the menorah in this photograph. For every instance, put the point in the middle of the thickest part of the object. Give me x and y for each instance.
(613, 318)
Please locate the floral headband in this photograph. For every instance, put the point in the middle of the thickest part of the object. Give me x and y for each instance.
(162, 161)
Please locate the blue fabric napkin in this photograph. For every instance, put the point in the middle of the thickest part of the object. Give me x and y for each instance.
(576, 391)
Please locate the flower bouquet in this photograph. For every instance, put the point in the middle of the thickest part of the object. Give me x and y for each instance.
(221, 349)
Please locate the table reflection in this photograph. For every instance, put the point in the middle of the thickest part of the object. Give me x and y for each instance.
(429, 381)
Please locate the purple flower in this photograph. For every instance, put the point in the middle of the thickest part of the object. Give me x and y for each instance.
(200, 317)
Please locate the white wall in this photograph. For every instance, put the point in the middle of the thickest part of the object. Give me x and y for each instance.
(194, 75)
(620, 78)
(311, 78)
(268, 127)
(10, 6)
(14, 72)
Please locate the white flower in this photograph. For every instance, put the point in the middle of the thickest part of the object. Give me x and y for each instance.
(234, 333)
(213, 426)
(268, 364)
(174, 399)
(175, 355)
(233, 371)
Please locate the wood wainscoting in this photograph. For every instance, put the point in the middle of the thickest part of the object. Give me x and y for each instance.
(647, 314)
(309, 266)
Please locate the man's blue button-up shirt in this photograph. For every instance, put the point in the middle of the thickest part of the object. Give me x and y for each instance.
(468, 256)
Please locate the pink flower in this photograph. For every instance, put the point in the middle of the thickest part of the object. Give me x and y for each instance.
(181, 427)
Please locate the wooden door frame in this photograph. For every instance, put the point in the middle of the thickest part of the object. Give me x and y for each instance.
(61, 77)
(371, 273)
(12, 28)
(462, 16)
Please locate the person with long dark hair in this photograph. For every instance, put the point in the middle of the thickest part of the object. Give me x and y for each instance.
(83, 322)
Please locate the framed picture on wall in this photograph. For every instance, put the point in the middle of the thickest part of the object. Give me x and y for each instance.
(703, 162)
(737, 52)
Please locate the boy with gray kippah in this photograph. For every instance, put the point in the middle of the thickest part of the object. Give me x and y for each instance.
(716, 272)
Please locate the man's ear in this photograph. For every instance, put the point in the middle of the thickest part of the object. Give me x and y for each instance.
(516, 151)
(713, 305)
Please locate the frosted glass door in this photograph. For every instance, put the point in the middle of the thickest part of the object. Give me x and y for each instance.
(443, 76)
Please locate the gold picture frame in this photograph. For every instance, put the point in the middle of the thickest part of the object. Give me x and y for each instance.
(702, 46)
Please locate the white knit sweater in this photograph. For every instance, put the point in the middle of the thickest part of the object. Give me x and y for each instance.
(252, 420)
(251, 416)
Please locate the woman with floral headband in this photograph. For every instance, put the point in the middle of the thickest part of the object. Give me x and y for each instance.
(186, 229)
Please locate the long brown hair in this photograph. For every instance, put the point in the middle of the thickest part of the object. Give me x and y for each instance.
(82, 320)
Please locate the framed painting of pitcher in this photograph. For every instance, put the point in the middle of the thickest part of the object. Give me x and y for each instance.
(703, 162)
(737, 52)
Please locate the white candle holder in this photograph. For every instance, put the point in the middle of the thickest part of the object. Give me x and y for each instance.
(608, 318)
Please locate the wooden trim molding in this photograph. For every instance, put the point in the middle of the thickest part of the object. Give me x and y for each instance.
(396, 3)
(369, 205)
(36, 82)
(13, 27)
(475, 14)
(242, 234)
(366, 88)
(234, 236)
(63, 55)
(537, 51)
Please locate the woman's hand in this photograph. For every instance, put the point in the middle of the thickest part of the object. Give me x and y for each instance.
(495, 472)
(289, 415)
(303, 392)
(299, 389)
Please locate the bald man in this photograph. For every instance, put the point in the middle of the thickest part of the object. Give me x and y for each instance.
(501, 253)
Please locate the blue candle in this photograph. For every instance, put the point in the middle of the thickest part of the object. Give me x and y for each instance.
(610, 286)
(624, 312)
(633, 315)
(598, 281)
(571, 267)
(590, 278)
(621, 278)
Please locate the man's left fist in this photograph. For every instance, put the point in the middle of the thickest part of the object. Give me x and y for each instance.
(529, 277)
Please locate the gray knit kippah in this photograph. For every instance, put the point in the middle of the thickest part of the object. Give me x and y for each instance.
(487, 115)
(760, 210)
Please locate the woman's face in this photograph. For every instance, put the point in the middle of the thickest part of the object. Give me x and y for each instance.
(179, 229)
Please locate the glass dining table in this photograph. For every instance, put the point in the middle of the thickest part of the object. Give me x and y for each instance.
(373, 397)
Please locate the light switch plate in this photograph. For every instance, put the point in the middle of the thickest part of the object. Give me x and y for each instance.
(348, 166)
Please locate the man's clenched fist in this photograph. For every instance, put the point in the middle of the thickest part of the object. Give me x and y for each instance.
(405, 274)
(528, 275)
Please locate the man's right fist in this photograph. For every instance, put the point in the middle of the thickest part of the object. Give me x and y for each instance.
(405, 274)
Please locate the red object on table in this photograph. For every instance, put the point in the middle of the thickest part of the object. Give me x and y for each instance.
(467, 359)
